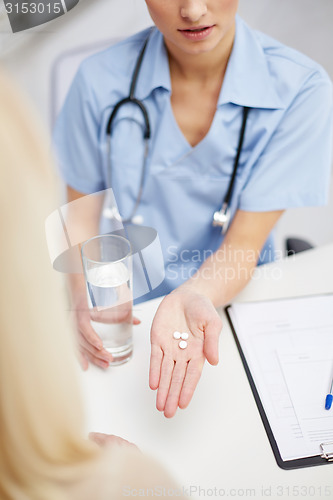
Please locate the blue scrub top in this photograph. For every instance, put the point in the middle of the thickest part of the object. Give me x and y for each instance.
(285, 160)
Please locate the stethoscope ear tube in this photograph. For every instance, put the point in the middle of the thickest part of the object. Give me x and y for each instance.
(131, 99)
(116, 214)
(146, 134)
(136, 102)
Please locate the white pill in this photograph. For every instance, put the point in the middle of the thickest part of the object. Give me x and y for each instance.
(182, 344)
(184, 336)
(176, 335)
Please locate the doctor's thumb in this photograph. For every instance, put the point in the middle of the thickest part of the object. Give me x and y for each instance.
(211, 341)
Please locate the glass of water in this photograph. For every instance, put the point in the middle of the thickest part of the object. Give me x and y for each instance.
(107, 265)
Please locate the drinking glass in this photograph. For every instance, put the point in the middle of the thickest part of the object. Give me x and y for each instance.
(107, 265)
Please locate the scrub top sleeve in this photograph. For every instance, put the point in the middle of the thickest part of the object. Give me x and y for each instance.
(294, 168)
(76, 138)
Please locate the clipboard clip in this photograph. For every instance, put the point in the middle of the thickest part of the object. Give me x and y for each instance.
(327, 451)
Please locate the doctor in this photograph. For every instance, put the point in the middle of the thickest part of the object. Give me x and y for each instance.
(235, 119)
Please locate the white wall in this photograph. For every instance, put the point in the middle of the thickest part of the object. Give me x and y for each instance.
(303, 24)
(31, 57)
(306, 25)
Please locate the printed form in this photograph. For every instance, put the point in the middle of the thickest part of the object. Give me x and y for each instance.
(288, 346)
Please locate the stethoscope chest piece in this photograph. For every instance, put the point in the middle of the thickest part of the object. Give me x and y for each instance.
(222, 218)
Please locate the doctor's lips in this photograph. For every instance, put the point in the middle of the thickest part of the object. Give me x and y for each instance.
(197, 33)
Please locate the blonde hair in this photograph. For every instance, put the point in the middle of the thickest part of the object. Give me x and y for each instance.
(43, 453)
(41, 429)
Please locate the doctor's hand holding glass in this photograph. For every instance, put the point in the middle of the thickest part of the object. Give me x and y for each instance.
(200, 119)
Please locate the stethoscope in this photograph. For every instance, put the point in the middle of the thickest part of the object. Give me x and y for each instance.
(221, 217)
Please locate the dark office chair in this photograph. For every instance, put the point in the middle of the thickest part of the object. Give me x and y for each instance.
(296, 245)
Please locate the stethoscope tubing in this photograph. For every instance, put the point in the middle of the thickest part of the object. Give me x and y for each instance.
(222, 217)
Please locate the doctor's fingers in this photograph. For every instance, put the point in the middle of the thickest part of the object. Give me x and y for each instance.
(114, 315)
(86, 330)
(99, 357)
(177, 381)
(165, 381)
(95, 361)
(192, 377)
(83, 360)
(156, 357)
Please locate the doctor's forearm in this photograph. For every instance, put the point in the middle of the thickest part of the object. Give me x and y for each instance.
(77, 286)
(224, 274)
(82, 221)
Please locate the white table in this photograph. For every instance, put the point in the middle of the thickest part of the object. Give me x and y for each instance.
(219, 442)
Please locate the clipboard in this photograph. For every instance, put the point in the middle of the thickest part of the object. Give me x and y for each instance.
(326, 447)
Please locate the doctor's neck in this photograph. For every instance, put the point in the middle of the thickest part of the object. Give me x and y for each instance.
(200, 65)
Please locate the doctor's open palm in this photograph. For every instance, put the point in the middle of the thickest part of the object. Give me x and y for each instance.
(175, 372)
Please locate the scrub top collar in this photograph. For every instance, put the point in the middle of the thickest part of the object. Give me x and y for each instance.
(247, 82)
(154, 72)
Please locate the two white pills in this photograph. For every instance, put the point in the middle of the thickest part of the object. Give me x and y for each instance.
(184, 336)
